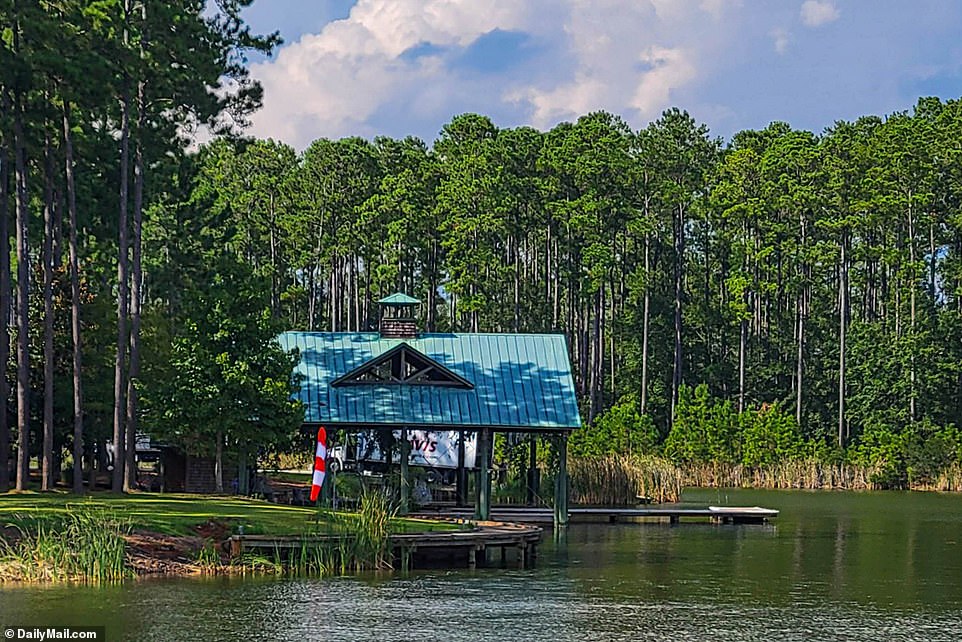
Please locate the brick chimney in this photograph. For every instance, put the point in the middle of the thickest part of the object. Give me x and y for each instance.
(397, 317)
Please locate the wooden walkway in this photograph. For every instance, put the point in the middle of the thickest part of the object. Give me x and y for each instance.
(669, 514)
(410, 550)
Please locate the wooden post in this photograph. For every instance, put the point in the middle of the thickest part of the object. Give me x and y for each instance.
(405, 482)
(482, 508)
(532, 470)
(327, 490)
(161, 471)
(461, 477)
(561, 482)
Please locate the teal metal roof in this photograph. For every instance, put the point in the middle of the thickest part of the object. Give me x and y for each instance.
(521, 381)
(399, 298)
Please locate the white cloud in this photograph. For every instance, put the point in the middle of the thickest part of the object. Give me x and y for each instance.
(622, 60)
(626, 56)
(331, 83)
(629, 61)
(670, 70)
(781, 38)
(815, 13)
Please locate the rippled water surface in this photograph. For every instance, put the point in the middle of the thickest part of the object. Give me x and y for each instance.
(833, 566)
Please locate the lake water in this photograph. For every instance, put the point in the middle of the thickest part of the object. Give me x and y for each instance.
(833, 566)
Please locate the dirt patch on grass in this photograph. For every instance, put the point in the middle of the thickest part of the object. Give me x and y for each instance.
(152, 553)
(216, 530)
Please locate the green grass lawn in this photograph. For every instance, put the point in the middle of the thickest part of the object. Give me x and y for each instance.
(181, 514)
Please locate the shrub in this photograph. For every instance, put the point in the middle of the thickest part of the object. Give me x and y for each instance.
(705, 429)
(620, 430)
(928, 451)
(880, 450)
(769, 436)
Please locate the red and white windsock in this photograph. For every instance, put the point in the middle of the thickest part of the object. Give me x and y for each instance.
(319, 463)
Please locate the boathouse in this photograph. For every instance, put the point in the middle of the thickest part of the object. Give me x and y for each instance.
(401, 379)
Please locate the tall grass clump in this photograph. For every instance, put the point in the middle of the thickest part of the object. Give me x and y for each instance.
(344, 542)
(87, 545)
(373, 529)
(208, 558)
(950, 479)
(808, 474)
(613, 480)
(310, 558)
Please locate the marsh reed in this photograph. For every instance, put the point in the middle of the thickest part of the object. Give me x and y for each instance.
(804, 475)
(618, 480)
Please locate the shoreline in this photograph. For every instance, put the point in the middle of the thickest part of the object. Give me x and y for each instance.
(194, 548)
(52, 537)
(150, 554)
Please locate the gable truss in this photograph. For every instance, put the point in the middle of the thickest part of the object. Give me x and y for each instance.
(402, 365)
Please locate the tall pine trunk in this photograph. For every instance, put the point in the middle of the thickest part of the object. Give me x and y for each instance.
(933, 257)
(120, 360)
(612, 354)
(742, 357)
(912, 288)
(679, 224)
(23, 295)
(801, 312)
(78, 421)
(743, 324)
(133, 375)
(645, 326)
(47, 463)
(842, 327)
(219, 463)
(275, 287)
(5, 295)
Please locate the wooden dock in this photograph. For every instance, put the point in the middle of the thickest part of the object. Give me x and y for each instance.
(640, 514)
(411, 550)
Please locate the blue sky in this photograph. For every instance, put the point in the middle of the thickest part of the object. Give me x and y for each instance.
(406, 67)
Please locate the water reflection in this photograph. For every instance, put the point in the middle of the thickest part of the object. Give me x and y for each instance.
(833, 567)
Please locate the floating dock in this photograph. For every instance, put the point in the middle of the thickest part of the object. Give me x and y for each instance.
(514, 533)
(669, 514)
(410, 550)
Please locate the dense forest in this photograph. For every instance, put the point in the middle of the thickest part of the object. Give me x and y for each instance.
(781, 295)
(99, 99)
(812, 282)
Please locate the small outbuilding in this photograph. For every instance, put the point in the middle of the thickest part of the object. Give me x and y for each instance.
(400, 379)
